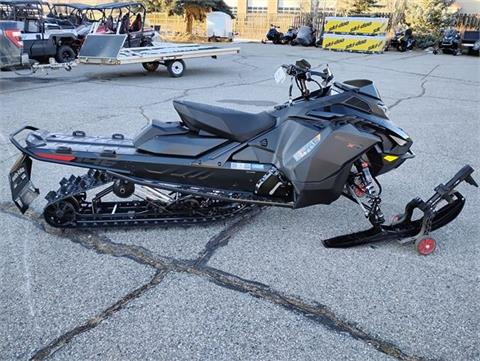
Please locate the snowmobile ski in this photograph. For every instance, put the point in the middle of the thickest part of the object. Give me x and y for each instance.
(404, 229)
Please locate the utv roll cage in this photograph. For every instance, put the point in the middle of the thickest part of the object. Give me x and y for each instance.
(6, 10)
(122, 15)
(74, 14)
(125, 18)
(21, 10)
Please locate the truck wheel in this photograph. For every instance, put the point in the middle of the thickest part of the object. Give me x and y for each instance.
(151, 67)
(65, 54)
(176, 68)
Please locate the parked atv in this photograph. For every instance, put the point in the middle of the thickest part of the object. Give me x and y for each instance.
(305, 36)
(333, 140)
(402, 41)
(273, 35)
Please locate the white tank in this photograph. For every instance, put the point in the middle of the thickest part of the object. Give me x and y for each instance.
(219, 25)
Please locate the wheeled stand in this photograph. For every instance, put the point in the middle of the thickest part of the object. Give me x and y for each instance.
(404, 229)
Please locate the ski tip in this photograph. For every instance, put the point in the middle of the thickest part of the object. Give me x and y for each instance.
(469, 179)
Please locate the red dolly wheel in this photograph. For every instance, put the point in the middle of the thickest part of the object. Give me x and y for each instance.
(425, 245)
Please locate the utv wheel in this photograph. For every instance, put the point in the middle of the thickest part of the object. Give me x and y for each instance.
(425, 245)
(61, 214)
(175, 68)
(65, 54)
(151, 67)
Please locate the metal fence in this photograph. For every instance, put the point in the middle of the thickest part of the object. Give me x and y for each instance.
(255, 25)
(468, 22)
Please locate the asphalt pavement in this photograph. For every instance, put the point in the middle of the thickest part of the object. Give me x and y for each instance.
(257, 288)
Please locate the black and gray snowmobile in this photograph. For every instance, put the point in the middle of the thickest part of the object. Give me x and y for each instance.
(217, 163)
(273, 35)
(450, 43)
(290, 35)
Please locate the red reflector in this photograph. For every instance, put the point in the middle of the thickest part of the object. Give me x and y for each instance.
(65, 158)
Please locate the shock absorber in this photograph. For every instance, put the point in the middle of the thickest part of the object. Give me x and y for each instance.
(374, 213)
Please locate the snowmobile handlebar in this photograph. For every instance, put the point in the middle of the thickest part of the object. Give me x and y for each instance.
(302, 73)
(305, 73)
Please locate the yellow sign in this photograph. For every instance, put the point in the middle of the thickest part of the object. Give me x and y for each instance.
(374, 44)
(352, 25)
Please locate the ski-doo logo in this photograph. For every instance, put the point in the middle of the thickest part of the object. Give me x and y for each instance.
(335, 42)
(357, 43)
(360, 26)
(307, 148)
(339, 25)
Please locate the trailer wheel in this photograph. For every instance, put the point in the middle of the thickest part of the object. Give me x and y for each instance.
(151, 67)
(176, 68)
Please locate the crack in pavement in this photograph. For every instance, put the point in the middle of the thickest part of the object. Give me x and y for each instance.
(221, 238)
(65, 338)
(314, 311)
(422, 93)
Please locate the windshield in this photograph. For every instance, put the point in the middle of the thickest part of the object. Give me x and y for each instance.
(364, 86)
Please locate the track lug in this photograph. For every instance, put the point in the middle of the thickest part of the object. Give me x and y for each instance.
(63, 181)
(51, 196)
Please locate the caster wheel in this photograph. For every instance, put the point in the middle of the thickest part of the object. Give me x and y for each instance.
(425, 245)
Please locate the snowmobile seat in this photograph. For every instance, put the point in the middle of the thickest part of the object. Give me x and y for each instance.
(223, 122)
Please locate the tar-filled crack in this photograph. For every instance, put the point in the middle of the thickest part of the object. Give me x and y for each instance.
(314, 311)
(221, 239)
(421, 94)
(93, 322)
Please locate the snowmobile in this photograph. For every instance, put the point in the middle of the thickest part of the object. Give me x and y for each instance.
(450, 43)
(402, 41)
(290, 35)
(334, 139)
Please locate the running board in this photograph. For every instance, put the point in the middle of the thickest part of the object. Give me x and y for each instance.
(406, 230)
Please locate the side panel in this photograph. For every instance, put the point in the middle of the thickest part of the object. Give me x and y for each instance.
(318, 160)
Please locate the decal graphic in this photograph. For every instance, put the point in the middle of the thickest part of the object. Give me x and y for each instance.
(307, 148)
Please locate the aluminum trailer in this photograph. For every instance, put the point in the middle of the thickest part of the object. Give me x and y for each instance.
(107, 49)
